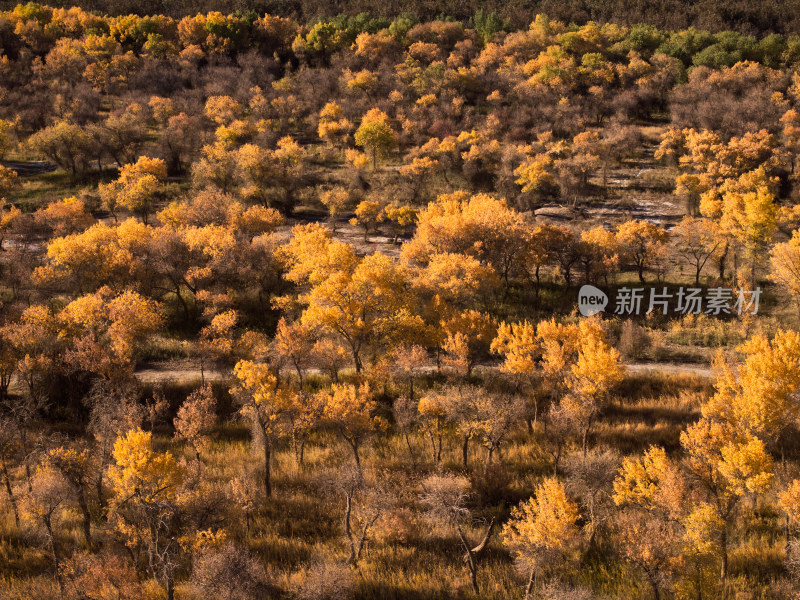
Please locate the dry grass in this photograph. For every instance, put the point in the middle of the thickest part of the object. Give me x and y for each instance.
(408, 556)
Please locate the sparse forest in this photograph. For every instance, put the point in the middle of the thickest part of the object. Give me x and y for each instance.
(289, 303)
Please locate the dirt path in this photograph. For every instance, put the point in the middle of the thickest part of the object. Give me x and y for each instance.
(680, 368)
(176, 372)
(182, 373)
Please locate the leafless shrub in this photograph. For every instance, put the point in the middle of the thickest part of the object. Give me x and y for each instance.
(232, 573)
(560, 591)
(633, 340)
(792, 560)
(325, 581)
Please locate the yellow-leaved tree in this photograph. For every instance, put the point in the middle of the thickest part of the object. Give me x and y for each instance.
(106, 330)
(654, 482)
(466, 335)
(9, 214)
(101, 255)
(349, 410)
(641, 243)
(368, 214)
(519, 346)
(265, 405)
(435, 419)
(727, 464)
(336, 201)
(785, 263)
(140, 472)
(596, 371)
(543, 530)
(144, 506)
(138, 187)
(369, 304)
(789, 503)
(480, 226)
(9, 181)
(312, 255)
(759, 395)
(747, 212)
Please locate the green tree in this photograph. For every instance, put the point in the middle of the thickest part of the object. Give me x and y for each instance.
(376, 135)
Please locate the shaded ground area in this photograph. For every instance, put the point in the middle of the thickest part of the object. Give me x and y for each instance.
(27, 168)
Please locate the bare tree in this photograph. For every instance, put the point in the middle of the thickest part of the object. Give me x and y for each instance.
(246, 494)
(406, 419)
(651, 544)
(445, 500)
(559, 428)
(365, 502)
(197, 418)
(589, 479)
(113, 412)
(10, 442)
(77, 466)
(156, 408)
(49, 491)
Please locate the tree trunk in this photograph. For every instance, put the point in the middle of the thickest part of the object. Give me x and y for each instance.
(301, 454)
(54, 550)
(586, 438)
(347, 529)
(9, 490)
(356, 455)
(87, 517)
(722, 259)
(411, 452)
(267, 471)
(469, 558)
(186, 315)
(723, 572)
(471, 554)
(654, 587)
(531, 582)
(99, 485)
(557, 460)
(465, 451)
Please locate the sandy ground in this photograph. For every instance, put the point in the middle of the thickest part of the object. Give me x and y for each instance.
(168, 372)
